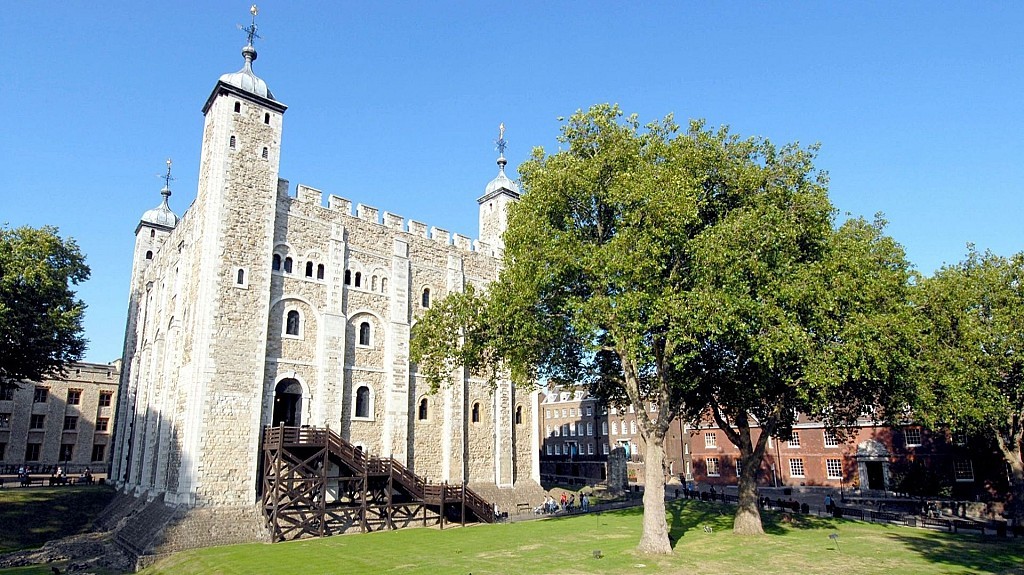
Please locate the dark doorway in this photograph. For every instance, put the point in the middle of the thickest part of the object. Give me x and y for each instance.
(876, 480)
(288, 403)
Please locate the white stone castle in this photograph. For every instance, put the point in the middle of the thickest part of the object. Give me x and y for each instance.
(258, 308)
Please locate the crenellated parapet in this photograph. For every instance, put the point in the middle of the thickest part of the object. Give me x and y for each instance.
(307, 195)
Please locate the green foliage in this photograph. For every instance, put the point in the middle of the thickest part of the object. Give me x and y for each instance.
(40, 318)
(972, 315)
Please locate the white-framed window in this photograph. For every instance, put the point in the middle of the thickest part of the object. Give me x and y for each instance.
(558, 449)
(604, 428)
(963, 469)
(565, 430)
(572, 429)
(579, 428)
(565, 412)
(547, 432)
(590, 448)
(549, 449)
(590, 411)
(830, 439)
(615, 428)
(604, 449)
(712, 466)
(241, 278)
(795, 440)
(710, 439)
(293, 324)
(912, 435)
(632, 427)
(796, 467)
(365, 334)
(834, 468)
(590, 428)
(572, 412)
(362, 406)
(548, 414)
(558, 431)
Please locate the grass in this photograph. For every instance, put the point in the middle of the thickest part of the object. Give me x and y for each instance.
(32, 516)
(567, 545)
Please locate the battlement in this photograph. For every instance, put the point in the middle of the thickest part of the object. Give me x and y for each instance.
(308, 195)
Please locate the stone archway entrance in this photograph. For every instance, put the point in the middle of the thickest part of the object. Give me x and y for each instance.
(872, 465)
(288, 403)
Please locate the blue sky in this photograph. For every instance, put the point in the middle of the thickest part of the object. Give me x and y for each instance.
(917, 105)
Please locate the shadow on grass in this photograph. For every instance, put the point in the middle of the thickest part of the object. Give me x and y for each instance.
(29, 517)
(972, 552)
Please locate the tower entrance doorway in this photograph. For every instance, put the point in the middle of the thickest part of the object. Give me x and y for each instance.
(288, 403)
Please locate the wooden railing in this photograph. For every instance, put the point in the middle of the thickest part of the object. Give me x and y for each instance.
(355, 458)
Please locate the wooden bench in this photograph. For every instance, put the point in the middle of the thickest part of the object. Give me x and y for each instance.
(523, 507)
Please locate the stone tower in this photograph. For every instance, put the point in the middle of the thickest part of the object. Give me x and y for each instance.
(499, 194)
(198, 323)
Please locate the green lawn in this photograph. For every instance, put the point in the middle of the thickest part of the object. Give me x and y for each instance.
(567, 546)
(32, 516)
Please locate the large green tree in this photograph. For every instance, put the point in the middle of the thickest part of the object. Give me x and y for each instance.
(973, 360)
(693, 270)
(40, 317)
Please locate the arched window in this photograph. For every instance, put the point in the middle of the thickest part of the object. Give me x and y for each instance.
(241, 277)
(276, 265)
(615, 428)
(426, 297)
(476, 413)
(292, 323)
(231, 143)
(423, 410)
(319, 271)
(363, 401)
(359, 279)
(348, 277)
(309, 269)
(519, 415)
(384, 285)
(149, 255)
(152, 233)
(373, 283)
(364, 333)
(288, 265)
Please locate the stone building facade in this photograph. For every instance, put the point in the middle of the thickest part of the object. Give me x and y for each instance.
(63, 421)
(260, 308)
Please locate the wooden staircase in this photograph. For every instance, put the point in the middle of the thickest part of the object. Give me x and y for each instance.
(314, 483)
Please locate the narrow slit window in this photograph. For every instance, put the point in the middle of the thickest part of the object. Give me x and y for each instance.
(309, 269)
(320, 271)
(348, 277)
(149, 254)
(384, 285)
(423, 409)
(231, 143)
(426, 297)
(241, 277)
(266, 118)
(359, 279)
(476, 413)
(288, 265)
(276, 265)
(238, 107)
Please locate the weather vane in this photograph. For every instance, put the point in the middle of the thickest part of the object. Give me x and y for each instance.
(500, 142)
(167, 177)
(251, 28)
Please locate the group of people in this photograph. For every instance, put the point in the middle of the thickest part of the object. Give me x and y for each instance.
(566, 504)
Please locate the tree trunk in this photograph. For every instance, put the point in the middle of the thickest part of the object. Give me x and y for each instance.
(748, 513)
(654, 538)
(1010, 447)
